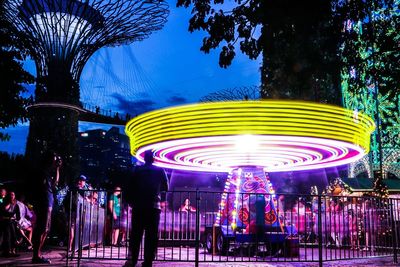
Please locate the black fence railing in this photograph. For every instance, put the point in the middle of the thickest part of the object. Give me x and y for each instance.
(107, 113)
(200, 226)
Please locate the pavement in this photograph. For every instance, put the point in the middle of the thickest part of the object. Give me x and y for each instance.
(57, 256)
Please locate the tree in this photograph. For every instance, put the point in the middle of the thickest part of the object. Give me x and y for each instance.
(370, 75)
(297, 41)
(12, 167)
(13, 78)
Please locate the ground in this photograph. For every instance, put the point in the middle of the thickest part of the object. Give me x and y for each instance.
(57, 256)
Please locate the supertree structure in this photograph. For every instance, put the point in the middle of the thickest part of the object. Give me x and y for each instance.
(370, 84)
(61, 35)
(231, 94)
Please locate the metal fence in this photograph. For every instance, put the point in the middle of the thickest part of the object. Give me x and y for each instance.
(236, 227)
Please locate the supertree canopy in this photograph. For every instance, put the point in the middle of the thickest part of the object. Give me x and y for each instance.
(232, 94)
(61, 35)
(71, 31)
(370, 82)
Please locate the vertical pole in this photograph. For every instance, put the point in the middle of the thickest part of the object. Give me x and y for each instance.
(213, 239)
(197, 227)
(394, 229)
(69, 226)
(376, 96)
(320, 230)
(378, 137)
(80, 230)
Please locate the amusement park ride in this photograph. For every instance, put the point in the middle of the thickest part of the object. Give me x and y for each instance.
(249, 139)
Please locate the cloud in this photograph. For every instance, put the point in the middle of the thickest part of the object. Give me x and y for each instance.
(134, 107)
(87, 126)
(143, 94)
(176, 100)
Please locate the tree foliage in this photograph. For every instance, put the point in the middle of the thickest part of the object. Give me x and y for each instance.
(370, 44)
(371, 73)
(229, 24)
(13, 78)
(296, 39)
(12, 167)
(301, 60)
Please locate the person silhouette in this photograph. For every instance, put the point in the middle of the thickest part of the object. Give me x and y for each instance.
(187, 207)
(144, 194)
(47, 181)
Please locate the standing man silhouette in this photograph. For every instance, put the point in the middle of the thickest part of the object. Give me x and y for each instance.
(47, 182)
(144, 194)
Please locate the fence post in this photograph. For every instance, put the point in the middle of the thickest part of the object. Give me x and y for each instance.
(197, 227)
(69, 227)
(80, 230)
(394, 230)
(320, 230)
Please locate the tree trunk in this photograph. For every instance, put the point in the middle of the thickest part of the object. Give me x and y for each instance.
(55, 128)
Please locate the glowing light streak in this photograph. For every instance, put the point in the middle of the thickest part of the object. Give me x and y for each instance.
(281, 153)
(236, 182)
(275, 135)
(251, 117)
(222, 204)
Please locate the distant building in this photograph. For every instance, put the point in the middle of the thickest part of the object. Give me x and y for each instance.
(103, 154)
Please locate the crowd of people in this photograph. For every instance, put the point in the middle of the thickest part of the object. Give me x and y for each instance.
(25, 227)
(16, 223)
(117, 222)
(135, 207)
(116, 115)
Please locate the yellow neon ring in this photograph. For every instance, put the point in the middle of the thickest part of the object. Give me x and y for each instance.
(261, 118)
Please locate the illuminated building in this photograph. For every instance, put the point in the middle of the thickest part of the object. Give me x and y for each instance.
(103, 151)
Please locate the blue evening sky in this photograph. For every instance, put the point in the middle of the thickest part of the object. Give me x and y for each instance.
(164, 70)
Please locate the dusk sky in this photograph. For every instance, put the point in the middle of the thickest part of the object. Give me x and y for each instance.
(167, 69)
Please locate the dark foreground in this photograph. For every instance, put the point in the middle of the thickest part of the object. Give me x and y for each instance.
(57, 256)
